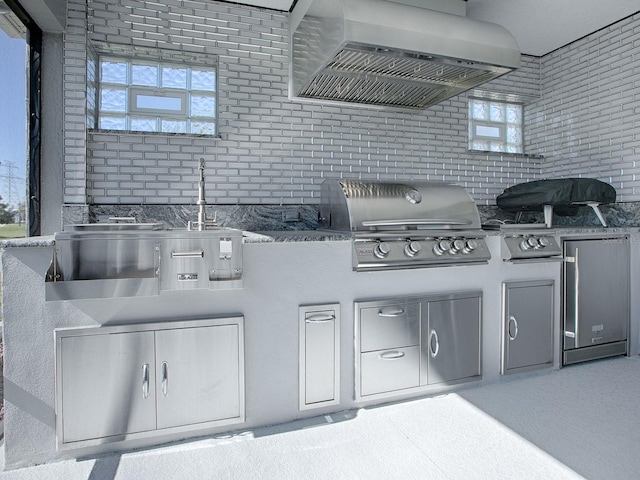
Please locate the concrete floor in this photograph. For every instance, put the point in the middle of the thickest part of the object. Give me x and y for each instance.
(579, 422)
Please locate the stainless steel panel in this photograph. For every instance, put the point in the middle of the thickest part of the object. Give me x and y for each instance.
(527, 329)
(596, 292)
(351, 205)
(450, 339)
(319, 359)
(388, 324)
(100, 379)
(196, 258)
(98, 263)
(595, 352)
(106, 256)
(383, 53)
(199, 381)
(113, 385)
(389, 370)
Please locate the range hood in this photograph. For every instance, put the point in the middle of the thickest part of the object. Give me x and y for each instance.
(381, 52)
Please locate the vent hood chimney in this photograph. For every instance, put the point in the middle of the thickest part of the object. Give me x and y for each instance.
(381, 52)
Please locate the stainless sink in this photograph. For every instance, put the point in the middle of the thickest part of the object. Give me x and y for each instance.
(104, 260)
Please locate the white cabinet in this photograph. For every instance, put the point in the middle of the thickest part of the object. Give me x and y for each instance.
(319, 363)
(527, 325)
(126, 382)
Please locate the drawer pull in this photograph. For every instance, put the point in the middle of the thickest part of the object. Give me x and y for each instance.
(391, 355)
(320, 318)
(390, 312)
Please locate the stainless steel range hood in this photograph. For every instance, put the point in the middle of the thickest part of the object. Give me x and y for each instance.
(385, 53)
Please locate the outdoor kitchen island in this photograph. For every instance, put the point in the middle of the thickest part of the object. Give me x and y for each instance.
(285, 276)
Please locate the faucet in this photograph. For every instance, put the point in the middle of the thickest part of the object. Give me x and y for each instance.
(202, 223)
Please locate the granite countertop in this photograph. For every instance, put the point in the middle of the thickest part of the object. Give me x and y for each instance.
(299, 236)
(44, 241)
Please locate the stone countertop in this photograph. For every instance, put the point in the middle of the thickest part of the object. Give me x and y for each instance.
(278, 236)
(248, 237)
(295, 236)
(44, 241)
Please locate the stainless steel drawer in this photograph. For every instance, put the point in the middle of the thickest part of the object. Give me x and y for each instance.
(388, 325)
(388, 370)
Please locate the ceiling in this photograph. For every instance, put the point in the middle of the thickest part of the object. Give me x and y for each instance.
(539, 26)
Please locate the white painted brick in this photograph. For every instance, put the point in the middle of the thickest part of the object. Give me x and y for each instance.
(274, 150)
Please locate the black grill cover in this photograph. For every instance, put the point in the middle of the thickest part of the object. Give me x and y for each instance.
(563, 194)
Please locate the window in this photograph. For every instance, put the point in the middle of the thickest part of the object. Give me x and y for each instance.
(495, 126)
(143, 95)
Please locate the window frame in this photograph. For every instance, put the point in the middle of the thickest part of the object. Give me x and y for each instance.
(500, 143)
(186, 116)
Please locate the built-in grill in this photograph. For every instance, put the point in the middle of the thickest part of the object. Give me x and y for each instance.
(404, 224)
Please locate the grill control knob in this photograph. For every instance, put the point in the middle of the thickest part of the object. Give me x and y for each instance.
(441, 247)
(529, 243)
(470, 246)
(457, 246)
(544, 242)
(382, 250)
(412, 249)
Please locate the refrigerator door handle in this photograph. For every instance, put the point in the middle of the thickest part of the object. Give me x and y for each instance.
(576, 284)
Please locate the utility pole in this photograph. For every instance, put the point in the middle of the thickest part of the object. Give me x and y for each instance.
(7, 173)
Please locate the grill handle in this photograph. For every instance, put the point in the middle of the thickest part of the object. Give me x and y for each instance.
(416, 222)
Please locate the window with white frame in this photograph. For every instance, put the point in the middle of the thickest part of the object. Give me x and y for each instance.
(496, 126)
(143, 95)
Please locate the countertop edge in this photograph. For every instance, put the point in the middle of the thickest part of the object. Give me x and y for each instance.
(321, 236)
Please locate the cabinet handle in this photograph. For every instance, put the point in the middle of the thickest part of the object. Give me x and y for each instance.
(513, 320)
(576, 293)
(391, 355)
(164, 373)
(145, 380)
(390, 312)
(320, 318)
(433, 335)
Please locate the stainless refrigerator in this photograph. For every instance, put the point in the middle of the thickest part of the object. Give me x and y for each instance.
(595, 298)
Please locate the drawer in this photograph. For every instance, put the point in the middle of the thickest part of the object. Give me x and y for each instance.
(389, 370)
(389, 325)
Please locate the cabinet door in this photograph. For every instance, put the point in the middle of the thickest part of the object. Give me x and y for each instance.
(197, 375)
(450, 334)
(527, 325)
(106, 384)
(319, 356)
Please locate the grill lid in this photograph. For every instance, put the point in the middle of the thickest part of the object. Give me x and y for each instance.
(360, 206)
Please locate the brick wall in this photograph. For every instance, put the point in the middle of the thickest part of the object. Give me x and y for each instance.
(272, 150)
(588, 120)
